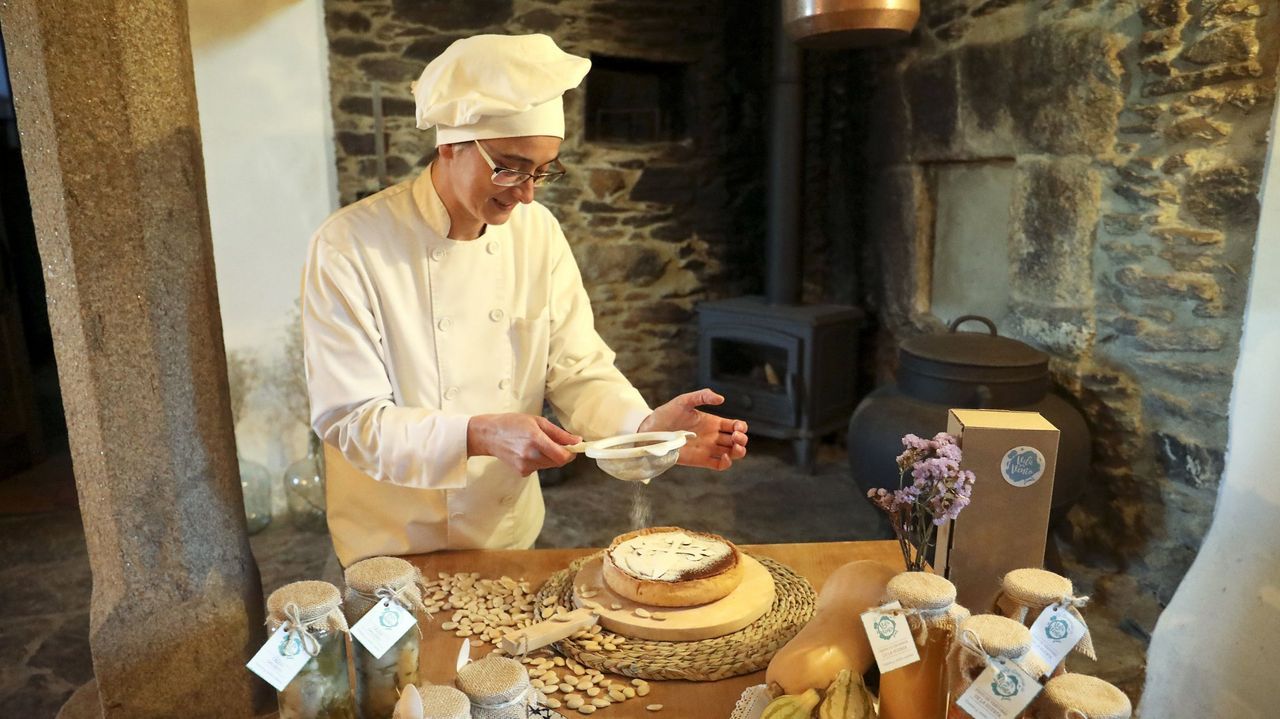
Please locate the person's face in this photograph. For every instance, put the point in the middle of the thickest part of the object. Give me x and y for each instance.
(471, 178)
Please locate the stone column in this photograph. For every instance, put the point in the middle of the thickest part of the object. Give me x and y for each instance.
(106, 106)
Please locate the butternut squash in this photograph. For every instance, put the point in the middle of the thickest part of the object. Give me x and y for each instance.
(792, 706)
(834, 638)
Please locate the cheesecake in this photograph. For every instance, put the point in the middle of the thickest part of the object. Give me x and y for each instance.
(672, 567)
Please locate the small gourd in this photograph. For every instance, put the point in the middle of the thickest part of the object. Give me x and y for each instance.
(847, 698)
(792, 706)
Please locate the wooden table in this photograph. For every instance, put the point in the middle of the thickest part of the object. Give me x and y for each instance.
(682, 699)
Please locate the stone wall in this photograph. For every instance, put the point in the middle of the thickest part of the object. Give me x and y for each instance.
(1135, 132)
(1131, 134)
(654, 226)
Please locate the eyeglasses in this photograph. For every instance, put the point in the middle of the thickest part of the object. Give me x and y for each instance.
(507, 177)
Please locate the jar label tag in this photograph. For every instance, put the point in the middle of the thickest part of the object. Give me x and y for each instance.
(891, 641)
(1055, 633)
(280, 659)
(381, 627)
(1002, 691)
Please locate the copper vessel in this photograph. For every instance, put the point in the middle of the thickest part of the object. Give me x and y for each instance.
(832, 24)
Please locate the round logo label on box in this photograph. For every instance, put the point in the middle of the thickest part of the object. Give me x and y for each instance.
(1022, 466)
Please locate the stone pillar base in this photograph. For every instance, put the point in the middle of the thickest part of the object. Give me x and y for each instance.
(83, 703)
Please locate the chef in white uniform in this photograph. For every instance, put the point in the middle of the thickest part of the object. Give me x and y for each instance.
(439, 313)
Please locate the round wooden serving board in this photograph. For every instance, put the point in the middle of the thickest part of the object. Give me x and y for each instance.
(750, 601)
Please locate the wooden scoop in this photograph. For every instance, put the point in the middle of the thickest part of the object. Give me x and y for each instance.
(523, 641)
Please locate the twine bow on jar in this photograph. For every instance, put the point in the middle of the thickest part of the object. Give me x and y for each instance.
(408, 596)
(970, 642)
(1073, 606)
(297, 630)
(302, 607)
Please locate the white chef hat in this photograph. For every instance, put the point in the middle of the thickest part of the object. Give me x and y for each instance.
(491, 86)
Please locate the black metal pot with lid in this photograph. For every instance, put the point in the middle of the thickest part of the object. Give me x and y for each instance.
(965, 370)
(972, 369)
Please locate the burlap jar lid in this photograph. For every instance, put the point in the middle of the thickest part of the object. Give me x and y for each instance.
(442, 702)
(493, 680)
(1036, 587)
(921, 590)
(1032, 589)
(1079, 696)
(1000, 636)
(368, 575)
(316, 605)
(372, 580)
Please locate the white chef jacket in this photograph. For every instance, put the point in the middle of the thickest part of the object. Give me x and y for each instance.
(407, 334)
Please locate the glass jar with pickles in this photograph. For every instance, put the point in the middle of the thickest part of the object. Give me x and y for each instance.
(371, 583)
(322, 689)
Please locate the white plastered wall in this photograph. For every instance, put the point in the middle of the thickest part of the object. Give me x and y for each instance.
(262, 82)
(1216, 648)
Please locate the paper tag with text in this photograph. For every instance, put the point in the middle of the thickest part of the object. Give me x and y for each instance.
(381, 627)
(1002, 691)
(890, 636)
(464, 654)
(1055, 633)
(280, 659)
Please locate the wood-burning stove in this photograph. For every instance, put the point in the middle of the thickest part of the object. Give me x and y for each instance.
(787, 370)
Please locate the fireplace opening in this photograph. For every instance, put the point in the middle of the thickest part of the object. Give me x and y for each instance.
(636, 101)
(759, 365)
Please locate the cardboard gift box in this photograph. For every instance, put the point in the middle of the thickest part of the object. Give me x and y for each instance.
(1006, 525)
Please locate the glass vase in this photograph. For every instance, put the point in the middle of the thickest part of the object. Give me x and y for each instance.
(304, 489)
(255, 486)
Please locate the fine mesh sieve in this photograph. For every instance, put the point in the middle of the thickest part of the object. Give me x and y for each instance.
(635, 457)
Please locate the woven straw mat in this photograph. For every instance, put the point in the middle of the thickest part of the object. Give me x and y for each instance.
(742, 652)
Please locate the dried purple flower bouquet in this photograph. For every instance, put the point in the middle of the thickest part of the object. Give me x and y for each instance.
(938, 491)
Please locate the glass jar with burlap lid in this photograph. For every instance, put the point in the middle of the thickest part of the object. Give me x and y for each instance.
(1078, 696)
(498, 688)
(982, 639)
(373, 585)
(1025, 593)
(919, 690)
(315, 624)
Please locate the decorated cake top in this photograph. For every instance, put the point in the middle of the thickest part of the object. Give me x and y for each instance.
(672, 556)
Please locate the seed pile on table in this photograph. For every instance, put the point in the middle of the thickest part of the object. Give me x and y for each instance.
(485, 609)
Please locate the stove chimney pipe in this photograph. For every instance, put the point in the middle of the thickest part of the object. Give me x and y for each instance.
(786, 152)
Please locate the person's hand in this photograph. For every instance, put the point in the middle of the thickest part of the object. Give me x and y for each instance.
(719, 441)
(524, 442)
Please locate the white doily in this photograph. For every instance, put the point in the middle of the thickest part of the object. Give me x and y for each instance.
(752, 703)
